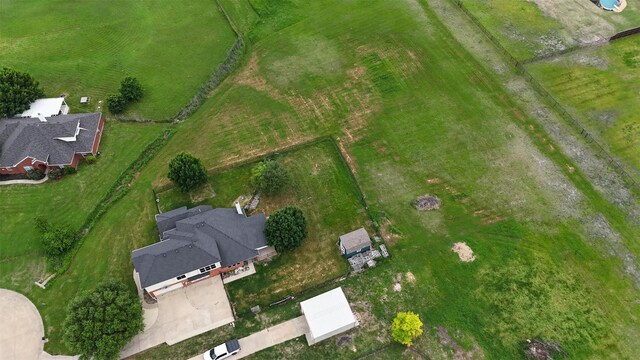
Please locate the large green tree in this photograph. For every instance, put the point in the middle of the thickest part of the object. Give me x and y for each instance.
(187, 172)
(56, 239)
(131, 89)
(17, 91)
(101, 322)
(286, 228)
(269, 177)
(406, 327)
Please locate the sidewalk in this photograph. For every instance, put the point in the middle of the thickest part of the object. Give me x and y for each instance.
(274, 335)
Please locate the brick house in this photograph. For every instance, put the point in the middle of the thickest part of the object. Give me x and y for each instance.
(48, 142)
(196, 244)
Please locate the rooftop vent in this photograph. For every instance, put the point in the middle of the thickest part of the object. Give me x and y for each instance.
(42, 118)
(238, 208)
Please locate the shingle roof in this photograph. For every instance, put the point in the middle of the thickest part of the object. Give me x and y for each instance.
(355, 240)
(21, 138)
(197, 237)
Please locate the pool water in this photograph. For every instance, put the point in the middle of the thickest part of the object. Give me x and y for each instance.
(609, 4)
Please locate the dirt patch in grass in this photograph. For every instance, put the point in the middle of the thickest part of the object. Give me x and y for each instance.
(585, 24)
(459, 352)
(202, 193)
(464, 252)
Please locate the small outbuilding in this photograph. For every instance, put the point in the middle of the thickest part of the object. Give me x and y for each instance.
(327, 314)
(46, 108)
(355, 242)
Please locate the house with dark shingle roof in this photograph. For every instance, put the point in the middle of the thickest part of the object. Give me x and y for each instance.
(48, 142)
(196, 244)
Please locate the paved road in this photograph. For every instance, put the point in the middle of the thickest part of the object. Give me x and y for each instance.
(274, 335)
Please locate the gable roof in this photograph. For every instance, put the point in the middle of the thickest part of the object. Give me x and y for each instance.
(197, 237)
(54, 141)
(355, 240)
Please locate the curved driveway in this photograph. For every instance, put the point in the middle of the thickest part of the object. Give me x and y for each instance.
(21, 328)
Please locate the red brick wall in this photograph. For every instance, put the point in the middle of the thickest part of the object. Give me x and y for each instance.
(19, 169)
(96, 141)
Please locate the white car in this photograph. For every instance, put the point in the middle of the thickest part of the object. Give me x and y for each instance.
(223, 351)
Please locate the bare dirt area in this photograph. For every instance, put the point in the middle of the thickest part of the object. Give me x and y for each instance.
(355, 100)
(464, 252)
(581, 19)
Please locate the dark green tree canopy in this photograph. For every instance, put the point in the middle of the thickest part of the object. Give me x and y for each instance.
(17, 91)
(116, 104)
(286, 228)
(187, 172)
(56, 239)
(101, 322)
(131, 89)
(269, 177)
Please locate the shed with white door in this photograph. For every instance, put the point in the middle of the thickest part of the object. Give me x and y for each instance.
(327, 314)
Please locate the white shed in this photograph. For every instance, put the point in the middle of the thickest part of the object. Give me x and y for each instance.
(46, 107)
(327, 314)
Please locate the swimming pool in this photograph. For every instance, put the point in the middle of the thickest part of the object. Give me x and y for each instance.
(609, 4)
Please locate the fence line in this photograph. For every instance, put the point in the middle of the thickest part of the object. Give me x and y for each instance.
(551, 100)
(625, 33)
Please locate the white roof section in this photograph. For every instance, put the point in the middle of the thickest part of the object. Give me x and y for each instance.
(44, 107)
(327, 312)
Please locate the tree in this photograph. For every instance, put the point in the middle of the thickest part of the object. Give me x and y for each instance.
(187, 172)
(116, 104)
(131, 89)
(406, 327)
(56, 239)
(286, 228)
(101, 322)
(17, 91)
(269, 177)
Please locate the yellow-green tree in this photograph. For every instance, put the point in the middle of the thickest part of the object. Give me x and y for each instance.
(406, 327)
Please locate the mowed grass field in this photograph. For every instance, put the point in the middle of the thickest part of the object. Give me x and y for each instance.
(322, 187)
(67, 201)
(601, 86)
(527, 29)
(86, 48)
(415, 114)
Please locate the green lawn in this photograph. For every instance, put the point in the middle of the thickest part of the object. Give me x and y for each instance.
(416, 115)
(601, 87)
(86, 48)
(527, 30)
(322, 187)
(66, 201)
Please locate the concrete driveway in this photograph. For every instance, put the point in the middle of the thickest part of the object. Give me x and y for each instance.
(21, 328)
(266, 338)
(183, 313)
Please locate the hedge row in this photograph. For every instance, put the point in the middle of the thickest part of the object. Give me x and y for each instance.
(119, 189)
(222, 71)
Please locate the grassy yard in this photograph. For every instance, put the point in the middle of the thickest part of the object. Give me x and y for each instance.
(66, 201)
(601, 85)
(323, 189)
(417, 115)
(527, 29)
(85, 49)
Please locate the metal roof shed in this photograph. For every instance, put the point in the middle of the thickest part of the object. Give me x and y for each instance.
(46, 108)
(327, 314)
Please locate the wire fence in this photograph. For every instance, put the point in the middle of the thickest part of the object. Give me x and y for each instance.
(601, 152)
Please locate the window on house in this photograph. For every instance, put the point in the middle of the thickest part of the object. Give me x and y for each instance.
(28, 168)
(213, 266)
(181, 277)
(208, 267)
(203, 270)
